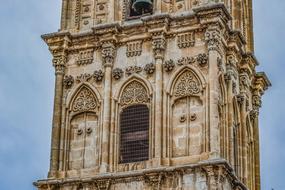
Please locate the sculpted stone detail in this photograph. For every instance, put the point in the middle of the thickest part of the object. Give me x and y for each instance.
(134, 48)
(187, 85)
(169, 65)
(108, 53)
(85, 57)
(186, 40)
(98, 75)
(134, 93)
(83, 78)
(133, 69)
(103, 184)
(68, 81)
(213, 37)
(154, 180)
(202, 59)
(244, 81)
(117, 73)
(158, 45)
(149, 68)
(84, 101)
(185, 61)
(59, 62)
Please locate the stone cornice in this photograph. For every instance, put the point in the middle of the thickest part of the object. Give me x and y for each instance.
(218, 163)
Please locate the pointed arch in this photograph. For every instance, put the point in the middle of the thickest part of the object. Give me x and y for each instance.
(134, 90)
(83, 99)
(188, 80)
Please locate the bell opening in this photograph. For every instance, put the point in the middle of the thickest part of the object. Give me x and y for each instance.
(140, 7)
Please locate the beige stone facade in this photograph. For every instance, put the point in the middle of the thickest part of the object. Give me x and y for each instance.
(190, 62)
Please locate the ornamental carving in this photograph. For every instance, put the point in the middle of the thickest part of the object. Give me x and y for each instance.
(158, 45)
(149, 68)
(133, 69)
(68, 81)
(134, 93)
(202, 59)
(185, 61)
(84, 101)
(169, 65)
(108, 53)
(186, 40)
(83, 78)
(85, 57)
(134, 48)
(187, 85)
(213, 37)
(59, 62)
(98, 75)
(117, 73)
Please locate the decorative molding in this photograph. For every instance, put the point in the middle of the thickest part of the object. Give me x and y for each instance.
(134, 48)
(187, 85)
(85, 57)
(186, 40)
(134, 93)
(133, 69)
(202, 59)
(98, 75)
(68, 81)
(213, 38)
(117, 73)
(85, 100)
(185, 61)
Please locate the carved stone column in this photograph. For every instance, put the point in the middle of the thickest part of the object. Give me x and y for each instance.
(158, 44)
(229, 81)
(59, 62)
(213, 39)
(256, 101)
(108, 55)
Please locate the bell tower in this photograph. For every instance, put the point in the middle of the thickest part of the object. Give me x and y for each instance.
(155, 94)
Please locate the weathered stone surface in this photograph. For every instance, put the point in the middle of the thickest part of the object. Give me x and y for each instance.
(188, 64)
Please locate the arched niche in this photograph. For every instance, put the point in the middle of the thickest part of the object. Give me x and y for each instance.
(83, 119)
(133, 97)
(186, 109)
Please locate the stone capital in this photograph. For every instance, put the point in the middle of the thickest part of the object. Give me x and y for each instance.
(213, 38)
(108, 54)
(158, 45)
(59, 63)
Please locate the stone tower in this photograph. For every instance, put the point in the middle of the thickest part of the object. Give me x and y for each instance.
(155, 94)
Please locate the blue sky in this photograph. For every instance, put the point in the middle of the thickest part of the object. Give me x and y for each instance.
(26, 90)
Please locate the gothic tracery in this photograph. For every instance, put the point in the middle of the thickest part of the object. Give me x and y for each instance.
(84, 101)
(133, 93)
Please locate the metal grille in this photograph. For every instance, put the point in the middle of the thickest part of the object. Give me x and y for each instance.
(134, 130)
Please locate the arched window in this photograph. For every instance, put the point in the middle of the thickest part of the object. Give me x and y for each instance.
(134, 134)
(138, 8)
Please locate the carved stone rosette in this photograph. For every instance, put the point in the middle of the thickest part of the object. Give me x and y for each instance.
(117, 73)
(98, 75)
(169, 65)
(149, 68)
(68, 81)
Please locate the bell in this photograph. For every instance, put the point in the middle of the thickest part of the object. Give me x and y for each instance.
(142, 6)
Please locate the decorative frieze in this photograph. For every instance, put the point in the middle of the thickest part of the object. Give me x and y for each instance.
(134, 48)
(186, 40)
(200, 59)
(85, 57)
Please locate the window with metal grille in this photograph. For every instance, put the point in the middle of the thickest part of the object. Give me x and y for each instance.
(134, 131)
